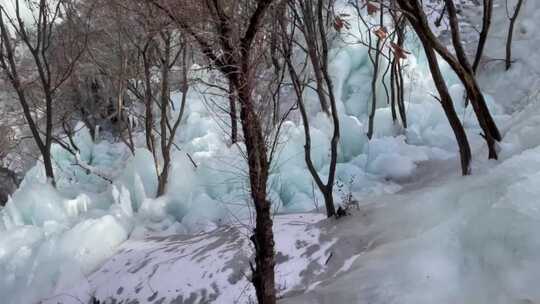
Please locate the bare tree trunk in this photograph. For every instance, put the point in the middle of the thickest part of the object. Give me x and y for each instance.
(232, 113)
(448, 106)
(263, 271)
(47, 162)
(317, 49)
(329, 199)
(46, 153)
(298, 88)
(393, 93)
(400, 86)
(279, 14)
(510, 37)
(376, 62)
(396, 71)
(310, 30)
(167, 141)
(121, 90)
(456, 36)
(470, 77)
(374, 91)
(418, 20)
(148, 98)
(233, 59)
(129, 140)
(486, 24)
(164, 107)
(89, 115)
(163, 176)
(263, 238)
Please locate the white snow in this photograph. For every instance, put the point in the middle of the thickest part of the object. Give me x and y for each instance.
(206, 267)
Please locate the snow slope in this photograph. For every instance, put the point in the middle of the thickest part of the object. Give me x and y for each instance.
(215, 265)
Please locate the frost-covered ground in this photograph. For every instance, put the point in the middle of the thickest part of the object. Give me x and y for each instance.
(421, 234)
(207, 267)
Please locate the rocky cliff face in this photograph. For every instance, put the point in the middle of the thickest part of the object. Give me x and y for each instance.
(9, 182)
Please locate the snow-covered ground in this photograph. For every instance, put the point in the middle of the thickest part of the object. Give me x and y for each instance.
(450, 240)
(207, 267)
(421, 233)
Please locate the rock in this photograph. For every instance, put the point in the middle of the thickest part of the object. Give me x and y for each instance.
(9, 182)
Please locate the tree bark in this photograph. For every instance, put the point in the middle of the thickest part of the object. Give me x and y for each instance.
(510, 37)
(486, 25)
(456, 36)
(233, 115)
(393, 93)
(148, 98)
(310, 31)
(164, 107)
(376, 62)
(374, 90)
(399, 71)
(449, 110)
(263, 274)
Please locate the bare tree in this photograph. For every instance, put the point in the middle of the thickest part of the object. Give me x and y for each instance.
(396, 77)
(311, 19)
(110, 67)
(308, 22)
(381, 35)
(233, 113)
(168, 130)
(513, 18)
(448, 107)
(147, 49)
(486, 24)
(229, 44)
(414, 12)
(376, 37)
(37, 37)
